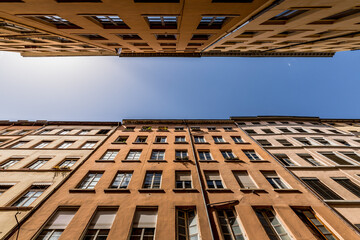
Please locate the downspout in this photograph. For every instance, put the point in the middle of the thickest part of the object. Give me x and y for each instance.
(32, 211)
(302, 183)
(274, 4)
(202, 184)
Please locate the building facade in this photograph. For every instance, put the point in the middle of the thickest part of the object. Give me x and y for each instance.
(191, 28)
(182, 179)
(325, 158)
(35, 158)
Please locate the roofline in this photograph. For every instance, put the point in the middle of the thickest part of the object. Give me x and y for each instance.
(45, 123)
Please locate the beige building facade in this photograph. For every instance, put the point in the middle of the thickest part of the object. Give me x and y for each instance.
(39, 156)
(182, 179)
(184, 28)
(325, 158)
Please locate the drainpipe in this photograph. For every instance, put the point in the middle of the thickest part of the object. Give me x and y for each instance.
(347, 222)
(274, 4)
(202, 184)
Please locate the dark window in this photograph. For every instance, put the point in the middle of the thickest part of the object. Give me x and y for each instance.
(284, 159)
(321, 189)
(250, 131)
(165, 36)
(103, 131)
(343, 142)
(92, 36)
(129, 36)
(266, 130)
(352, 155)
(284, 130)
(55, 21)
(349, 185)
(161, 22)
(342, 14)
(110, 21)
(335, 158)
(200, 37)
(284, 142)
(229, 224)
(271, 224)
(209, 22)
(264, 142)
(310, 159)
(152, 180)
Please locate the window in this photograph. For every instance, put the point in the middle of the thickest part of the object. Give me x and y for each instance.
(284, 142)
(152, 180)
(6, 132)
(121, 139)
(284, 130)
(317, 130)
(30, 196)
(343, 142)
(199, 139)
(241, 123)
(335, 158)
(284, 159)
(250, 131)
(287, 14)
(237, 139)
(183, 179)
(205, 155)
(89, 145)
(179, 128)
(179, 139)
(65, 145)
(264, 142)
(57, 224)
(103, 132)
(213, 180)
(321, 189)
(181, 155)
(38, 164)
(10, 162)
(46, 131)
(109, 21)
(196, 129)
(65, 132)
(129, 129)
(352, 155)
(218, 139)
(23, 132)
(158, 155)
(244, 180)
(133, 155)
(159, 22)
(109, 155)
(266, 130)
(144, 224)
(209, 22)
(275, 180)
(84, 132)
(68, 163)
(163, 129)
(314, 224)
(304, 141)
(55, 21)
(349, 185)
(141, 139)
(251, 154)
(229, 224)
(90, 180)
(161, 139)
(322, 141)
(5, 186)
(271, 224)
(334, 131)
(229, 155)
(228, 128)
(19, 144)
(187, 226)
(100, 224)
(165, 36)
(122, 180)
(42, 144)
(211, 128)
(310, 159)
(300, 130)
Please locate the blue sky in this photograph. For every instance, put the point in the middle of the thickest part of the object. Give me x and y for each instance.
(112, 88)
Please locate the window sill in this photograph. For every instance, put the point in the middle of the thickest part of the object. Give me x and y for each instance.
(75, 190)
(178, 160)
(208, 161)
(15, 208)
(245, 143)
(149, 190)
(259, 161)
(154, 160)
(116, 190)
(118, 143)
(128, 130)
(162, 130)
(213, 130)
(160, 143)
(287, 191)
(105, 161)
(202, 143)
(234, 161)
(139, 143)
(219, 190)
(179, 131)
(230, 130)
(181, 143)
(222, 143)
(130, 161)
(185, 190)
(145, 130)
(253, 190)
